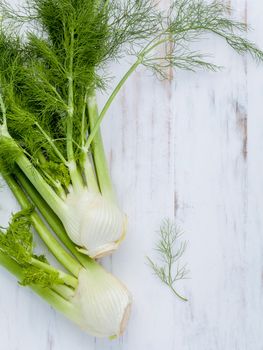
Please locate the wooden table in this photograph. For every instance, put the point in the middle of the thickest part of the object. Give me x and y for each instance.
(190, 148)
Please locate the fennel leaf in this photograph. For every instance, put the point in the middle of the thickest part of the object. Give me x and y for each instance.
(170, 248)
(17, 243)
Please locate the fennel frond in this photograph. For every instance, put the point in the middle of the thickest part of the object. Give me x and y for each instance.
(170, 249)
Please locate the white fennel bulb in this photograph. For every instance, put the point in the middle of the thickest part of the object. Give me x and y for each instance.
(94, 223)
(103, 303)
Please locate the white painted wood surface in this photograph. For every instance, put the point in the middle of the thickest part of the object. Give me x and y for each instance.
(190, 148)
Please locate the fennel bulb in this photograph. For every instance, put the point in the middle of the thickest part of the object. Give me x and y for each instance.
(104, 304)
(98, 224)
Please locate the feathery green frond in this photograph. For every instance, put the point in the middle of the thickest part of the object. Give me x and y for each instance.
(17, 243)
(170, 250)
(9, 153)
(57, 172)
(35, 276)
(75, 39)
(189, 20)
(169, 46)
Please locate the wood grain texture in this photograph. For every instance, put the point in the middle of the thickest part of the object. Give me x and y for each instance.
(189, 148)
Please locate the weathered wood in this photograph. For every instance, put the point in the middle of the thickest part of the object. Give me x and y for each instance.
(190, 148)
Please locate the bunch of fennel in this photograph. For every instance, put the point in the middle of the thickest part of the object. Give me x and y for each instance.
(54, 58)
(88, 295)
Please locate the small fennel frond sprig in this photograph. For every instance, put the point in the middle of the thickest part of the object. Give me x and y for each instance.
(170, 249)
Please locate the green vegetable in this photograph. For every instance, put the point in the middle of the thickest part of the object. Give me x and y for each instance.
(48, 83)
(86, 294)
